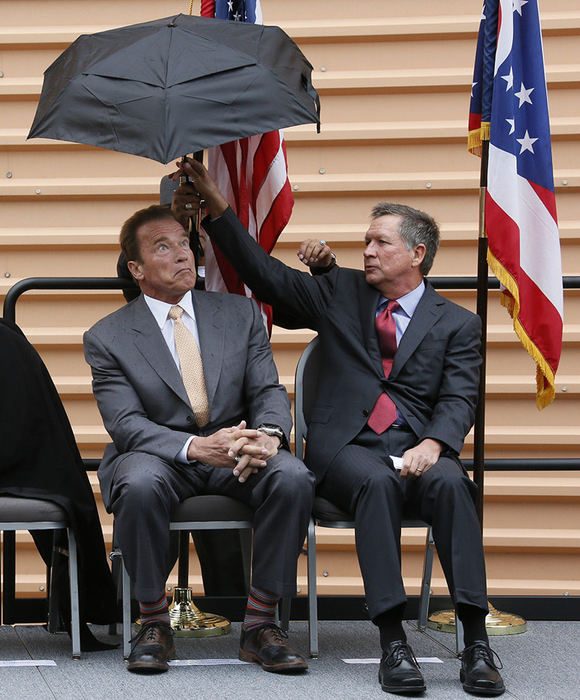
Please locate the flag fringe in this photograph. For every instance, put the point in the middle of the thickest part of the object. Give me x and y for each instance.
(510, 299)
(476, 136)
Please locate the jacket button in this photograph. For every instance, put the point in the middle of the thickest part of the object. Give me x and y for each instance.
(365, 412)
(189, 419)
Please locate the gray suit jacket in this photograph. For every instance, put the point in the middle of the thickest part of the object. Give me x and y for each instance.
(140, 392)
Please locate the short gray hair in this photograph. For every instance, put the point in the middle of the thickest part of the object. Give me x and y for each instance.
(416, 227)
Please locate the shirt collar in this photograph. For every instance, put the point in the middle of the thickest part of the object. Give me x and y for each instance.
(160, 309)
(408, 302)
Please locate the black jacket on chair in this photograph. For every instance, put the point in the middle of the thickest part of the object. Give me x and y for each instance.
(39, 458)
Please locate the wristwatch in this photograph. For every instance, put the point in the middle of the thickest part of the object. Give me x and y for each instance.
(274, 431)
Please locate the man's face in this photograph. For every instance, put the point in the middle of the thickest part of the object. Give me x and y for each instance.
(387, 260)
(167, 268)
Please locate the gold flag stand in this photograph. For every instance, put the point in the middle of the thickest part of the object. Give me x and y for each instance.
(497, 623)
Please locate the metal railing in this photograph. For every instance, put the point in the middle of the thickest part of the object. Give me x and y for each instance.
(106, 283)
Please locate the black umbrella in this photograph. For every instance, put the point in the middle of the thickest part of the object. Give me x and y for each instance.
(175, 85)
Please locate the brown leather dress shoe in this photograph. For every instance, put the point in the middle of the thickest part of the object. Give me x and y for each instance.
(267, 646)
(151, 649)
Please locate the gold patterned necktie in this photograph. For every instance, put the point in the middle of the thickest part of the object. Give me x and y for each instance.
(191, 367)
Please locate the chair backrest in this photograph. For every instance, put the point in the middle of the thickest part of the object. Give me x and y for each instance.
(305, 388)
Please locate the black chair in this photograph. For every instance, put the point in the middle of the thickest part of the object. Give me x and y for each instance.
(325, 513)
(17, 513)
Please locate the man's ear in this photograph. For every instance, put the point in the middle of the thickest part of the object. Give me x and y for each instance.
(135, 269)
(418, 254)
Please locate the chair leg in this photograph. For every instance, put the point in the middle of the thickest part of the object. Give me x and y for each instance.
(458, 633)
(312, 599)
(285, 605)
(426, 581)
(126, 603)
(74, 595)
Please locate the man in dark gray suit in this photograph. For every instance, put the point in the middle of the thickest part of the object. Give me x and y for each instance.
(399, 378)
(179, 377)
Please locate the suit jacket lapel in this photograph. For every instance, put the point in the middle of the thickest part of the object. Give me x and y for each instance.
(152, 346)
(210, 320)
(368, 300)
(428, 311)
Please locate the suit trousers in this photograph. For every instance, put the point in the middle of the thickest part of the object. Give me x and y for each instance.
(146, 489)
(362, 481)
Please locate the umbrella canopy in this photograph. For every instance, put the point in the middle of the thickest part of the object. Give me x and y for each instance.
(175, 85)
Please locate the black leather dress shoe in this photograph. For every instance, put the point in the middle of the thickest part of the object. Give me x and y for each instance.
(479, 673)
(267, 646)
(399, 670)
(151, 649)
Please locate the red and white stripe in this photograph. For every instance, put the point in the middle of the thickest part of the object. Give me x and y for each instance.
(252, 173)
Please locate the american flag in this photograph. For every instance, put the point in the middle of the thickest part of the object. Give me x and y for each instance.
(252, 173)
(509, 97)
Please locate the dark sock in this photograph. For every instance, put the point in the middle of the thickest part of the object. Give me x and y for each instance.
(260, 610)
(473, 619)
(155, 611)
(390, 624)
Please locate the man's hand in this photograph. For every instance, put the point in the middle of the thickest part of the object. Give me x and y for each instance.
(261, 447)
(202, 185)
(220, 449)
(315, 253)
(185, 203)
(420, 458)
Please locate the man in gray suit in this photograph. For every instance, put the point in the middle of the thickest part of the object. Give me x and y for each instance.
(180, 375)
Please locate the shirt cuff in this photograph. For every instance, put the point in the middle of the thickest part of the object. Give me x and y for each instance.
(182, 456)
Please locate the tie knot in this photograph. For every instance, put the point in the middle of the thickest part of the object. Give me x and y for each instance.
(175, 312)
(392, 305)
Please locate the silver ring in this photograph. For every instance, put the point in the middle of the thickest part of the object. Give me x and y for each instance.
(322, 242)
(188, 205)
(237, 459)
(419, 471)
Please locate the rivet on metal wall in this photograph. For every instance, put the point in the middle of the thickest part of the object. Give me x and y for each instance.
(325, 573)
(564, 182)
(41, 588)
(9, 174)
(323, 69)
(564, 388)
(1, 74)
(7, 274)
(36, 191)
(428, 185)
(295, 188)
(322, 170)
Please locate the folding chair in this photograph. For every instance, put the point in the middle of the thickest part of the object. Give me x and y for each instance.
(325, 513)
(18, 513)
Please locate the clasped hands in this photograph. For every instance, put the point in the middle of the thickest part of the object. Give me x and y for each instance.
(239, 448)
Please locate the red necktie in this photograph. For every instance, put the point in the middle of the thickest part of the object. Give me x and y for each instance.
(384, 413)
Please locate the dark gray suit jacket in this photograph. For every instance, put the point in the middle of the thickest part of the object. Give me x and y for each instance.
(434, 379)
(140, 392)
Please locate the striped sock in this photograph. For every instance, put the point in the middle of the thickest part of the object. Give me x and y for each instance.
(261, 609)
(157, 611)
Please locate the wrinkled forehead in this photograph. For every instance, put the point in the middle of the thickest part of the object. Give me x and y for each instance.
(388, 225)
(160, 229)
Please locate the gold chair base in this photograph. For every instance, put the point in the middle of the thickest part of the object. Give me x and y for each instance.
(496, 623)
